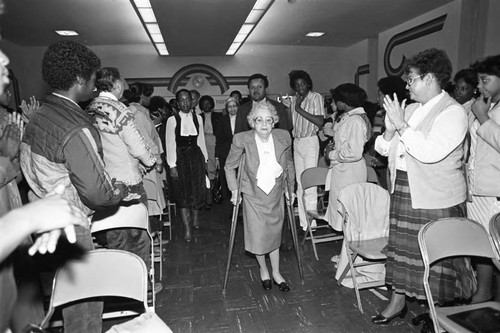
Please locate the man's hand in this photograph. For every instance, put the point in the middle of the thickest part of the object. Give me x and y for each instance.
(49, 216)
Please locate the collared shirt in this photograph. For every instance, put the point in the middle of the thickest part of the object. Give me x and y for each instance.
(232, 121)
(187, 124)
(313, 104)
(171, 145)
(446, 134)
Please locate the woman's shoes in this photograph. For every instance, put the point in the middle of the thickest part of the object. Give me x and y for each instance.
(283, 286)
(266, 284)
(381, 320)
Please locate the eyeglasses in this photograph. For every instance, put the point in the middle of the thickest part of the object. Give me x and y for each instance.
(410, 80)
(261, 121)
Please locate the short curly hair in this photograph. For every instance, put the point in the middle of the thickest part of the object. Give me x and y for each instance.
(300, 74)
(433, 61)
(262, 106)
(66, 61)
(489, 65)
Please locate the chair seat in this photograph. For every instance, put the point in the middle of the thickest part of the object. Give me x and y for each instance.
(370, 249)
(452, 326)
(316, 214)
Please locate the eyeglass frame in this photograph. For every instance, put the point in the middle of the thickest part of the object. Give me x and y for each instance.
(260, 121)
(411, 79)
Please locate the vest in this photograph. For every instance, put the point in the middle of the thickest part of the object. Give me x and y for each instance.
(432, 185)
(186, 141)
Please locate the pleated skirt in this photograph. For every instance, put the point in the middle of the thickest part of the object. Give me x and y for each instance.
(263, 216)
(450, 279)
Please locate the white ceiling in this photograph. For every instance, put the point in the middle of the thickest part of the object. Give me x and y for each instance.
(206, 27)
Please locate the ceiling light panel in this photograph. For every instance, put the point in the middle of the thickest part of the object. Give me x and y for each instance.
(315, 34)
(259, 9)
(148, 18)
(142, 3)
(66, 32)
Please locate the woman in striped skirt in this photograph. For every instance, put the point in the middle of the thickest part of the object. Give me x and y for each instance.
(424, 146)
(484, 159)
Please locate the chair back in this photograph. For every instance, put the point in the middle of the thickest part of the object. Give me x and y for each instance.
(364, 208)
(99, 273)
(454, 236)
(133, 216)
(313, 177)
(495, 232)
(447, 237)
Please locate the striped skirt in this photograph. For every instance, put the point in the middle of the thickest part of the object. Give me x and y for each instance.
(450, 279)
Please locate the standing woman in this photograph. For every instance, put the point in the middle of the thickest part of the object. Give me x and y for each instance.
(186, 158)
(484, 162)
(350, 132)
(424, 145)
(268, 164)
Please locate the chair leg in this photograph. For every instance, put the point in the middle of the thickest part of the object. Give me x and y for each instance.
(351, 259)
(160, 236)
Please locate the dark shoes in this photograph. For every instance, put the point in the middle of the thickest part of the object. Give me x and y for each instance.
(266, 284)
(283, 286)
(381, 320)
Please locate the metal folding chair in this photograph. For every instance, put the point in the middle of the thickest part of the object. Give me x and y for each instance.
(133, 216)
(100, 273)
(463, 237)
(316, 177)
(358, 241)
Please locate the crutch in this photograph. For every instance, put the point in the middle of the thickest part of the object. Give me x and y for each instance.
(234, 221)
(293, 228)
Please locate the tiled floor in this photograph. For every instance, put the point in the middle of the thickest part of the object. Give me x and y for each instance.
(191, 299)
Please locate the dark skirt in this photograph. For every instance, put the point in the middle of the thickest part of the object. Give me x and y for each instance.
(189, 189)
(449, 278)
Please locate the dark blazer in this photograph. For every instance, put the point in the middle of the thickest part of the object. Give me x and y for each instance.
(243, 111)
(223, 138)
(244, 143)
(216, 116)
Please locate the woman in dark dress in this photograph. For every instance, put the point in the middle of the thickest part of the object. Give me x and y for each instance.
(186, 158)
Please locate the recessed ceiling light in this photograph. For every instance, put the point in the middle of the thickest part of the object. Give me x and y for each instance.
(315, 34)
(67, 32)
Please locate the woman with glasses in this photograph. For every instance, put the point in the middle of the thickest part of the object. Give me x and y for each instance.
(424, 145)
(267, 165)
(351, 130)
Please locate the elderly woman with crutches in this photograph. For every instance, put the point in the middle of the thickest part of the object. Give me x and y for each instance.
(267, 157)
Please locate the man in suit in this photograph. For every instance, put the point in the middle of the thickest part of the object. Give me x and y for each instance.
(257, 85)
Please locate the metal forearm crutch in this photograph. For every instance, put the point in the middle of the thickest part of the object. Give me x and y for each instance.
(234, 221)
(293, 228)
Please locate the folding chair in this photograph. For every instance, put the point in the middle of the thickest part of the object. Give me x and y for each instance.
(364, 208)
(133, 216)
(316, 177)
(100, 273)
(463, 237)
(154, 205)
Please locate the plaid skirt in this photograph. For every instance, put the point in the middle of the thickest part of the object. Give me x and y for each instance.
(450, 279)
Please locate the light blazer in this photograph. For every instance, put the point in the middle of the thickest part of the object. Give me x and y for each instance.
(243, 111)
(244, 143)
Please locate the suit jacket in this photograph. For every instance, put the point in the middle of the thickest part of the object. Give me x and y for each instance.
(223, 138)
(244, 144)
(243, 111)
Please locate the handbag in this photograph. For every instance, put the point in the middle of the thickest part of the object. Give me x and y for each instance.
(217, 187)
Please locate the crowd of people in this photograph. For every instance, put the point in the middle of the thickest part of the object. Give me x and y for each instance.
(82, 151)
